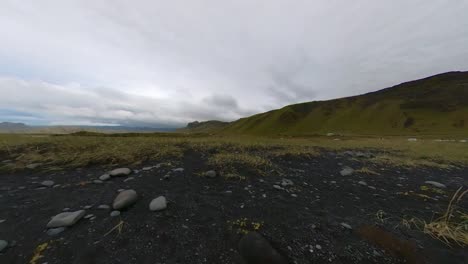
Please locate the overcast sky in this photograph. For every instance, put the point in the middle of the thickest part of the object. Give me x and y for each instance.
(151, 62)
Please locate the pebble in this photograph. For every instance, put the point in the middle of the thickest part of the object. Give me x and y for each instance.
(88, 216)
(318, 246)
(147, 168)
(178, 170)
(345, 225)
(293, 195)
(346, 171)
(3, 245)
(436, 184)
(115, 213)
(98, 181)
(129, 179)
(66, 219)
(87, 206)
(103, 206)
(286, 182)
(47, 183)
(120, 172)
(33, 165)
(362, 183)
(55, 231)
(66, 209)
(124, 199)
(104, 177)
(210, 174)
(2, 220)
(277, 187)
(158, 204)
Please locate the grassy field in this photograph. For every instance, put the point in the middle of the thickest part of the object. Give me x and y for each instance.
(68, 151)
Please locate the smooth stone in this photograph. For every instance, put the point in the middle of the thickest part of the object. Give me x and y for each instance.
(125, 199)
(277, 187)
(33, 165)
(129, 179)
(88, 216)
(47, 183)
(346, 171)
(436, 184)
(147, 168)
(286, 182)
(104, 177)
(255, 249)
(412, 139)
(66, 209)
(345, 225)
(55, 231)
(115, 213)
(210, 174)
(3, 245)
(87, 206)
(120, 172)
(362, 183)
(103, 206)
(158, 204)
(2, 220)
(66, 219)
(178, 170)
(98, 181)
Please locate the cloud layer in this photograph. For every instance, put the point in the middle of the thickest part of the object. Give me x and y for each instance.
(169, 62)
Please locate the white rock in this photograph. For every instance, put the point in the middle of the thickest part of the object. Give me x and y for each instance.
(147, 168)
(66, 219)
(436, 184)
(346, 171)
(362, 183)
(103, 206)
(47, 183)
(3, 245)
(345, 225)
(125, 199)
(120, 172)
(98, 181)
(277, 187)
(115, 213)
(158, 204)
(104, 177)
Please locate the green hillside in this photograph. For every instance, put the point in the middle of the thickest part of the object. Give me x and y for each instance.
(434, 105)
(211, 126)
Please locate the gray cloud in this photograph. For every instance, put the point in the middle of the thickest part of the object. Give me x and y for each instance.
(154, 62)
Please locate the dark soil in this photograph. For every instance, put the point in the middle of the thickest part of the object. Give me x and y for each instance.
(203, 222)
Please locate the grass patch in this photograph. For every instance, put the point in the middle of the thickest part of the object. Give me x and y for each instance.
(238, 163)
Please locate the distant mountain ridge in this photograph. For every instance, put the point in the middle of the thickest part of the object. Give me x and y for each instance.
(433, 105)
(10, 127)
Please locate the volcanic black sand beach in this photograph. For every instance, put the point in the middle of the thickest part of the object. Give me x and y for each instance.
(315, 210)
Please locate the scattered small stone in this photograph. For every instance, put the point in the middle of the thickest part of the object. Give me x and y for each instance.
(333, 182)
(57, 185)
(286, 182)
(103, 206)
(66, 209)
(22, 187)
(318, 246)
(228, 192)
(261, 180)
(66, 219)
(3, 245)
(41, 188)
(33, 166)
(147, 168)
(115, 213)
(178, 170)
(362, 183)
(55, 231)
(412, 139)
(104, 177)
(129, 179)
(345, 225)
(167, 177)
(436, 184)
(346, 171)
(254, 248)
(373, 188)
(158, 204)
(210, 174)
(463, 141)
(2, 220)
(98, 181)
(293, 195)
(87, 207)
(120, 172)
(120, 190)
(277, 187)
(125, 199)
(88, 216)
(47, 183)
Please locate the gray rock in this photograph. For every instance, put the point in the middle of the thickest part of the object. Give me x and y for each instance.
(47, 183)
(129, 179)
(255, 249)
(346, 171)
(120, 172)
(436, 184)
(124, 199)
(3, 245)
(158, 204)
(286, 182)
(277, 187)
(362, 183)
(147, 168)
(2, 220)
(210, 174)
(33, 166)
(345, 225)
(55, 231)
(104, 177)
(115, 213)
(98, 181)
(88, 216)
(103, 207)
(178, 170)
(66, 219)
(87, 206)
